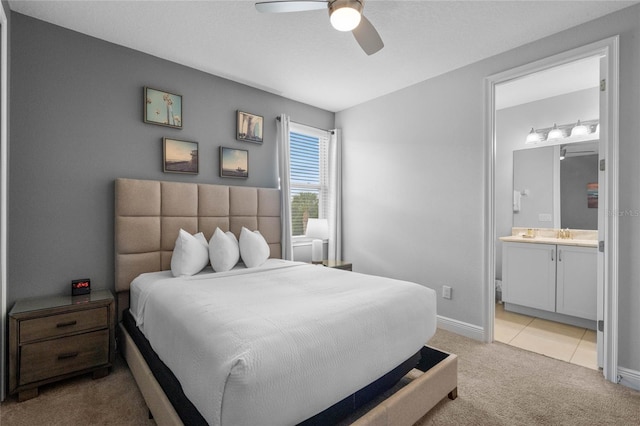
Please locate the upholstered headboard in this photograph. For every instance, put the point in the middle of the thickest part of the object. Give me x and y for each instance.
(149, 214)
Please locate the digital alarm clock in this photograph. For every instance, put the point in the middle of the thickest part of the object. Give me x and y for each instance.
(79, 287)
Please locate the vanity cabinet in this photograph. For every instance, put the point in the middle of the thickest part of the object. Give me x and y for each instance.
(550, 277)
(576, 280)
(529, 275)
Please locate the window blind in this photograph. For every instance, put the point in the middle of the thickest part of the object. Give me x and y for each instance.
(309, 176)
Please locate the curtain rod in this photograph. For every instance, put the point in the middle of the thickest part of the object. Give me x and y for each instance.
(324, 130)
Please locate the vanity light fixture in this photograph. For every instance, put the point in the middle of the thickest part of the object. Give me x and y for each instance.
(555, 133)
(579, 130)
(574, 132)
(533, 137)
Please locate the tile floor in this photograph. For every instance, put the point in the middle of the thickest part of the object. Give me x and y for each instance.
(560, 341)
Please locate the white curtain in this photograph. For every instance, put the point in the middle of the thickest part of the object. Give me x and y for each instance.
(334, 214)
(284, 173)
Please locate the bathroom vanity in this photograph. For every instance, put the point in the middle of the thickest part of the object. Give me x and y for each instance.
(549, 277)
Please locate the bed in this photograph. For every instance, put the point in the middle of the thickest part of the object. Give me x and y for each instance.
(314, 355)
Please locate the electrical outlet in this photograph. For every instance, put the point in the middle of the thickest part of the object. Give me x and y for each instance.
(545, 217)
(446, 292)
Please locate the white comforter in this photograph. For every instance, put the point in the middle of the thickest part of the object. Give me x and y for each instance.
(278, 344)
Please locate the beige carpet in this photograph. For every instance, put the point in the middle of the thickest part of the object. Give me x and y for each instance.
(497, 385)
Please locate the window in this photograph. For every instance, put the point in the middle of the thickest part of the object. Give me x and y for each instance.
(309, 176)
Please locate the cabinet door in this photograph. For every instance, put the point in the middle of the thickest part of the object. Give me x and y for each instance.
(577, 282)
(529, 275)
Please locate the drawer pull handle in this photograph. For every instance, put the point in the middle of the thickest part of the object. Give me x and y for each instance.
(67, 355)
(66, 324)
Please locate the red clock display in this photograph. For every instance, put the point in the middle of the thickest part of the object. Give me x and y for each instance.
(82, 286)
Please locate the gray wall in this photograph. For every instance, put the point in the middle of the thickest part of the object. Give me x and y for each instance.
(414, 166)
(76, 125)
(575, 173)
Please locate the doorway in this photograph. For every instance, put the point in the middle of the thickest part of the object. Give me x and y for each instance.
(604, 55)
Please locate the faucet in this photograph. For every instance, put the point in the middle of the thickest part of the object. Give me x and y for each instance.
(564, 234)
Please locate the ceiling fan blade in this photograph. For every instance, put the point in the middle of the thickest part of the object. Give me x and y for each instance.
(290, 6)
(367, 37)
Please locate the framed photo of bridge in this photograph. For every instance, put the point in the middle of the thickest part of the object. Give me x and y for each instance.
(249, 127)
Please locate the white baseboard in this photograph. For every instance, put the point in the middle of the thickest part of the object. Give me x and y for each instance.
(629, 378)
(462, 328)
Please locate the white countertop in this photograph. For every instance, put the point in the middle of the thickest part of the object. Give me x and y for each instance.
(550, 240)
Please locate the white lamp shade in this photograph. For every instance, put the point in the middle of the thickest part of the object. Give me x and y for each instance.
(579, 130)
(555, 133)
(533, 137)
(318, 228)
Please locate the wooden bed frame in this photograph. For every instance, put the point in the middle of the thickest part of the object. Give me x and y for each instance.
(148, 216)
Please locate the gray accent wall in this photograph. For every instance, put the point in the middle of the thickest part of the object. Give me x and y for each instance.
(76, 125)
(414, 168)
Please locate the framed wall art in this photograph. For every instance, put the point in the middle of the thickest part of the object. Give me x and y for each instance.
(162, 108)
(179, 156)
(234, 163)
(592, 195)
(249, 127)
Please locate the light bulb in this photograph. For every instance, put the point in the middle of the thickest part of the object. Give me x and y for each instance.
(555, 133)
(533, 137)
(345, 18)
(579, 130)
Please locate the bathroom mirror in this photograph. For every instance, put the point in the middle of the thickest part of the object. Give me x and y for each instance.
(550, 192)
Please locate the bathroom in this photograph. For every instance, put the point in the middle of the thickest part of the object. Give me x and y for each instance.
(546, 212)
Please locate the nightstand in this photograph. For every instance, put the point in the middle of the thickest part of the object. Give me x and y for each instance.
(52, 338)
(337, 264)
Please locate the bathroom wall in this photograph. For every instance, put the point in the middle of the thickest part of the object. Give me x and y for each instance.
(512, 126)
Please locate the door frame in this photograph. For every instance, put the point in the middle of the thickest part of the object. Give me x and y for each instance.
(4, 173)
(608, 48)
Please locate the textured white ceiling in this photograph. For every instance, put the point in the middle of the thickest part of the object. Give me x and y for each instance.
(300, 56)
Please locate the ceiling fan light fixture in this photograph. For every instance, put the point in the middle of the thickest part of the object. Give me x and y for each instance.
(345, 15)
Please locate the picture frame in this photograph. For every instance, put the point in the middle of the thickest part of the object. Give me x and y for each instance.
(592, 195)
(180, 156)
(249, 127)
(234, 163)
(162, 108)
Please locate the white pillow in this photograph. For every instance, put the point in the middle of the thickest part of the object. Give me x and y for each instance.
(253, 248)
(200, 237)
(190, 255)
(224, 252)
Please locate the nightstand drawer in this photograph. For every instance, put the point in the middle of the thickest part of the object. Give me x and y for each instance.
(52, 358)
(59, 325)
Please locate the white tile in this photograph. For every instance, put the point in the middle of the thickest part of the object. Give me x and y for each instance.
(549, 338)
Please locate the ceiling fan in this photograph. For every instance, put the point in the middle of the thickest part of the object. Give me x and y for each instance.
(345, 15)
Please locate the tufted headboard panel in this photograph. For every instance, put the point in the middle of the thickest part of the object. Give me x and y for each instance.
(149, 215)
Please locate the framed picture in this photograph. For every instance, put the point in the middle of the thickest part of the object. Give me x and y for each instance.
(179, 156)
(592, 195)
(162, 108)
(234, 163)
(250, 127)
